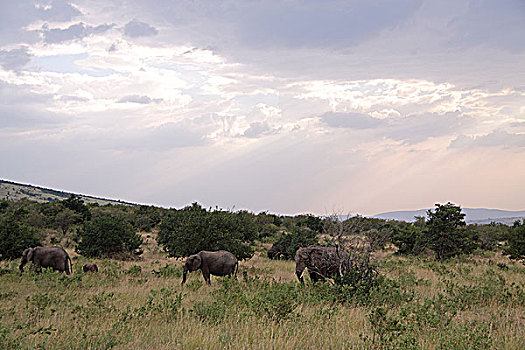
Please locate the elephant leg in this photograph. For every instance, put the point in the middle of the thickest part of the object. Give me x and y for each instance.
(314, 277)
(206, 274)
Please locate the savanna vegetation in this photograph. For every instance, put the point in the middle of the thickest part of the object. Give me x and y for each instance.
(437, 283)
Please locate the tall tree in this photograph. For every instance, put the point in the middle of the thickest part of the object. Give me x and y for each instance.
(447, 235)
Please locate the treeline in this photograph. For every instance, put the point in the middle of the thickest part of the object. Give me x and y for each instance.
(113, 230)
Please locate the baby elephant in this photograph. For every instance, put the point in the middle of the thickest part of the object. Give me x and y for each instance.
(90, 267)
(221, 263)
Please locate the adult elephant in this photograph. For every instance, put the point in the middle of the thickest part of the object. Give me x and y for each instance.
(55, 257)
(322, 262)
(220, 263)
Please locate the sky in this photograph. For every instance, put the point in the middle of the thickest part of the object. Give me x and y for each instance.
(283, 106)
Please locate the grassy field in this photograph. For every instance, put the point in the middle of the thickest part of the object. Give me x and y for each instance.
(476, 302)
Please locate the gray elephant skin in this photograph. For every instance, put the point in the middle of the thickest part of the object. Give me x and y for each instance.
(321, 262)
(220, 263)
(55, 257)
(90, 267)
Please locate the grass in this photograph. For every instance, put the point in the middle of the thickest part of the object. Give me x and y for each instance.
(476, 302)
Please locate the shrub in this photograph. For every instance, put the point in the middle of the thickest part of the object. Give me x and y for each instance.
(15, 237)
(108, 236)
(408, 239)
(192, 229)
(516, 241)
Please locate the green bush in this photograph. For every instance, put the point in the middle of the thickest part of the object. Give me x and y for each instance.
(108, 236)
(192, 229)
(289, 242)
(409, 239)
(15, 237)
(516, 241)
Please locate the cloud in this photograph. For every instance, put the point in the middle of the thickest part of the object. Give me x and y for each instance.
(14, 59)
(73, 32)
(498, 138)
(257, 129)
(136, 28)
(15, 16)
(22, 109)
(317, 24)
(351, 120)
(498, 24)
(137, 99)
(418, 128)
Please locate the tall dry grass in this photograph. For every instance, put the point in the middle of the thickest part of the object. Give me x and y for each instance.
(466, 303)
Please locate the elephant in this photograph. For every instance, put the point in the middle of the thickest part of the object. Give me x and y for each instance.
(322, 262)
(220, 263)
(273, 253)
(90, 267)
(55, 257)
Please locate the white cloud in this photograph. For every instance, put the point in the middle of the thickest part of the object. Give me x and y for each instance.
(287, 106)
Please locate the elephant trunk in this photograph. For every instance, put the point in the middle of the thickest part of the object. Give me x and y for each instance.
(299, 272)
(184, 273)
(21, 267)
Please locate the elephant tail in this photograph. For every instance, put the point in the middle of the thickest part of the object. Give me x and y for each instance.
(70, 265)
(236, 269)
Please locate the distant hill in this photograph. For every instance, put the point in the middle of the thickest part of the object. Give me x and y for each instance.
(16, 191)
(472, 215)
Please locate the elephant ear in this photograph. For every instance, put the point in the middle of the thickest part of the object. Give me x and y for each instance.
(30, 254)
(196, 262)
(302, 255)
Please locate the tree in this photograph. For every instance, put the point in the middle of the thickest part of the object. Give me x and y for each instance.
(289, 242)
(108, 236)
(516, 241)
(15, 237)
(67, 218)
(76, 204)
(447, 235)
(192, 229)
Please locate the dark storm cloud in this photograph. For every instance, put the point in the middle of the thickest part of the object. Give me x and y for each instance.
(498, 138)
(319, 24)
(136, 28)
(73, 32)
(496, 23)
(14, 59)
(15, 15)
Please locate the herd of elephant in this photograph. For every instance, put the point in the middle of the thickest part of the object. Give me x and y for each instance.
(321, 262)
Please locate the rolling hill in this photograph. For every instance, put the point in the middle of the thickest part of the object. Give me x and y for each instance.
(17, 191)
(472, 215)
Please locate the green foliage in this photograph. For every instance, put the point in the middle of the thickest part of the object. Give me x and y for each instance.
(192, 229)
(77, 205)
(447, 235)
(516, 241)
(359, 275)
(297, 237)
(108, 235)
(210, 312)
(145, 217)
(15, 237)
(409, 239)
